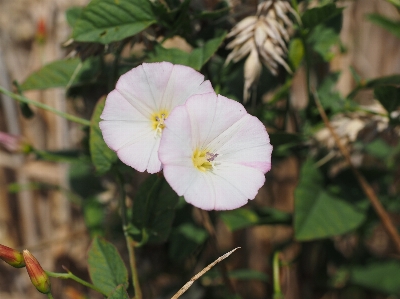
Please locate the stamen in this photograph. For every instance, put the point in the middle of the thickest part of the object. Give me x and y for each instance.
(204, 160)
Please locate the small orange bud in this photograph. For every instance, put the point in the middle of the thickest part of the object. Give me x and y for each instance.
(41, 31)
(12, 256)
(36, 273)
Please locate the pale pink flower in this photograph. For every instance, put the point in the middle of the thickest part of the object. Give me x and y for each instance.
(135, 111)
(214, 153)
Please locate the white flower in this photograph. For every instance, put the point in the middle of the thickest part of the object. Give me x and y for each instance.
(214, 153)
(135, 111)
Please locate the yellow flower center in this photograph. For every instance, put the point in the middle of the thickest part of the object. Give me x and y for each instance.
(203, 160)
(157, 121)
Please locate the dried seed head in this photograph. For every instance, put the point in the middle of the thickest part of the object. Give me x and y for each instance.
(263, 38)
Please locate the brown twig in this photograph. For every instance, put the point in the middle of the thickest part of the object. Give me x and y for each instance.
(211, 231)
(369, 192)
(198, 275)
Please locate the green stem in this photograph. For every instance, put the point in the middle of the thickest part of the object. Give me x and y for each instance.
(50, 296)
(25, 100)
(277, 284)
(69, 275)
(129, 241)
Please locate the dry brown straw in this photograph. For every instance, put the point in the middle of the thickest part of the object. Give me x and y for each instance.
(198, 275)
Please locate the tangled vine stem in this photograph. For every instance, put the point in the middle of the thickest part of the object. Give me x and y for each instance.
(366, 187)
(25, 100)
(70, 275)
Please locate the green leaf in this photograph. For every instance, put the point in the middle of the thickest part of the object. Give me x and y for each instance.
(386, 23)
(119, 293)
(242, 218)
(102, 156)
(318, 15)
(388, 96)
(296, 52)
(239, 218)
(378, 148)
(323, 39)
(395, 3)
(62, 73)
(154, 208)
(196, 59)
(106, 268)
(72, 14)
(373, 83)
(106, 21)
(185, 239)
(380, 276)
(330, 97)
(318, 214)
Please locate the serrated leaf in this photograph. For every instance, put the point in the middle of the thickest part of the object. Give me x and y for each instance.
(106, 268)
(106, 21)
(388, 96)
(386, 23)
(318, 15)
(119, 293)
(154, 208)
(102, 156)
(196, 59)
(296, 52)
(62, 73)
(319, 214)
(381, 276)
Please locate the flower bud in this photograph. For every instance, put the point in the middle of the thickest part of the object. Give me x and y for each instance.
(36, 273)
(12, 256)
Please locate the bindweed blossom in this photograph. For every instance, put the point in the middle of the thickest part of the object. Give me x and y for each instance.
(214, 153)
(135, 111)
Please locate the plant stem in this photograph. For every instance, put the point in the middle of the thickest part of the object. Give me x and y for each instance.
(276, 276)
(365, 186)
(129, 241)
(69, 275)
(25, 100)
(50, 295)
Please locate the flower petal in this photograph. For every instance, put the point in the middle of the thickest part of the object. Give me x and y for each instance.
(224, 190)
(117, 107)
(245, 143)
(227, 188)
(141, 153)
(116, 133)
(183, 82)
(175, 141)
(211, 115)
(141, 84)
